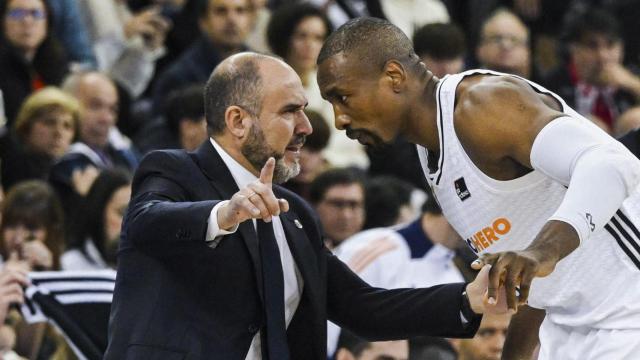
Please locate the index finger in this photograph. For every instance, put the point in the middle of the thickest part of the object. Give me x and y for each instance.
(266, 174)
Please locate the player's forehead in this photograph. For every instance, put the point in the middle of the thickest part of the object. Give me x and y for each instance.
(335, 72)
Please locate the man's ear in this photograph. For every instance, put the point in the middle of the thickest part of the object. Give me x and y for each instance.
(395, 75)
(238, 121)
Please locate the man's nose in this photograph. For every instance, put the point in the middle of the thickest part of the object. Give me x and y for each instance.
(341, 119)
(304, 125)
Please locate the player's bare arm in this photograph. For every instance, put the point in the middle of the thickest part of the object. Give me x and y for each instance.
(522, 337)
(498, 136)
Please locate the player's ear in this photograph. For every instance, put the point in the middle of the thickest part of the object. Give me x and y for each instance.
(395, 75)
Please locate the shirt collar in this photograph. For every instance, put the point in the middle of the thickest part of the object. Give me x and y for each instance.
(240, 174)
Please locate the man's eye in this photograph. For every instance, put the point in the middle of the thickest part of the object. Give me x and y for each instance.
(343, 99)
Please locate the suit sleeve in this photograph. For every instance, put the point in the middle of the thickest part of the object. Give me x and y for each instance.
(380, 314)
(163, 219)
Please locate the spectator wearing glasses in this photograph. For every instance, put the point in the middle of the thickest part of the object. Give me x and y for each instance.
(338, 196)
(30, 57)
(504, 44)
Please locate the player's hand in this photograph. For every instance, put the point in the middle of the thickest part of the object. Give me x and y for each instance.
(255, 201)
(513, 272)
(478, 295)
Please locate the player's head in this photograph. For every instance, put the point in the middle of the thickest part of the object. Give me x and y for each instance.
(370, 73)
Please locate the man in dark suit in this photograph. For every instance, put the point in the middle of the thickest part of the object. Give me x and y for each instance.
(215, 262)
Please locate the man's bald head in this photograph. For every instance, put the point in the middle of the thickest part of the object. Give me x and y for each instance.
(235, 81)
(372, 42)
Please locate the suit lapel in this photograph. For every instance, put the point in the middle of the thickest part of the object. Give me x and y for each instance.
(221, 180)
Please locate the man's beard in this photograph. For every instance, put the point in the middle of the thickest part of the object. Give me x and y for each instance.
(257, 151)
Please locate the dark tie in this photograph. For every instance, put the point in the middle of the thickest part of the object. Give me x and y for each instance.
(275, 333)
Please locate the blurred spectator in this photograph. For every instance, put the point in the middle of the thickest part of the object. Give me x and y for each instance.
(338, 197)
(628, 121)
(32, 226)
(504, 44)
(126, 45)
(261, 16)
(630, 138)
(72, 32)
(30, 56)
(351, 347)
(100, 146)
(44, 129)
(312, 162)
(441, 47)
(296, 33)
(11, 283)
(96, 238)
(488, 342)
(388, 202)
(183, 125)
(593, 81)
(409, 15)
(225, 25)
(340, 11)
(32, 234)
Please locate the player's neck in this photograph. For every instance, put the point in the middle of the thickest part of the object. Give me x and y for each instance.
(422, 126)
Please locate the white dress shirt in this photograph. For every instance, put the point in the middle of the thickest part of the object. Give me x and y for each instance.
(293, 282)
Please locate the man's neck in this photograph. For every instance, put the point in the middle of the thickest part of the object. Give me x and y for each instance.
(235, 153)
(438, 230)
(422, 128)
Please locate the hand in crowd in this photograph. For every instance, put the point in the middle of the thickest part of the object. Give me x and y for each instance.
(83, 179)
(37, 255)
(11, 283)
(617, 76)
(255, 201)
(478, 294)
(150, 25)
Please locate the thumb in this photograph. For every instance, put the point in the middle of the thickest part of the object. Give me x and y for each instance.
(482, 279)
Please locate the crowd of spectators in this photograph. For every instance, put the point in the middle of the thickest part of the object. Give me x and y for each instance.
(88, 87)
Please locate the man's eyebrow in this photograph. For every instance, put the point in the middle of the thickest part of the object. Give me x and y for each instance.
(293, 106)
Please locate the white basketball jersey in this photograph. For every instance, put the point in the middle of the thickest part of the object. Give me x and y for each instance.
(598, 285)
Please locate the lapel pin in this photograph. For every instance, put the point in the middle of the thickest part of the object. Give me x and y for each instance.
(298, 224)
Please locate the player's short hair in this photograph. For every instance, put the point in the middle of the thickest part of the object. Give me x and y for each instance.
(373, 40)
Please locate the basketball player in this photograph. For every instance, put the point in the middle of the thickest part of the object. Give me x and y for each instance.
(536, 190)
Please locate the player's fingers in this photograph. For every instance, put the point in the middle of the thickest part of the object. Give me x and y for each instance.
(494, 279)
(485, 259)
(266, 174)
(510, 284)
(525, 284)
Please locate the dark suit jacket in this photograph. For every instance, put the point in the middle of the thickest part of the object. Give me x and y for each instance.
(177, 298)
